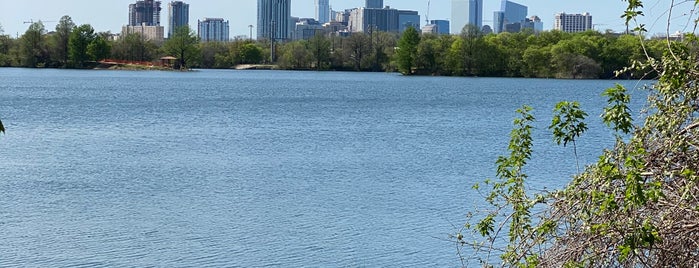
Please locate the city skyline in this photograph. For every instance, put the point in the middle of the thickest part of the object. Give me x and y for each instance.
(13, 14)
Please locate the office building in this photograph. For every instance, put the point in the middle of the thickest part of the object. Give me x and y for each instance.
(534, 23)
(373, 19)
(408, 18)
(179, 16)
(307, 28)
(573, 23)
(510, 13)
(464, 12)
(436, 27)
(274, 19)
(373, 4)
(145, 12)
(214, 29)
(323, 11)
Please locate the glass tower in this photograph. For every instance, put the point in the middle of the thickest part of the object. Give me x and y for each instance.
(179, 16)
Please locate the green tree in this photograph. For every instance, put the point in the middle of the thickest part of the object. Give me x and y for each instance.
(250, 54)
(99, 49)
(79, 41)
(32, 42)
(356, 47)
(183, 45)
(407, 50)
(62, 37)
(134, 47)
(320, 49)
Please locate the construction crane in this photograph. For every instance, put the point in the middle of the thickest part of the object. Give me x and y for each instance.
(31, 21)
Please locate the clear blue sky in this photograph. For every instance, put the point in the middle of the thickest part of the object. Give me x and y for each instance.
(110, 15)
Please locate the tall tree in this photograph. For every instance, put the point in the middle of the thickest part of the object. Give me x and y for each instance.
(98, 49)
(32, 45)
(407, 50)
(79, 40)
(183, 45)
(62, 38)
(320, 49)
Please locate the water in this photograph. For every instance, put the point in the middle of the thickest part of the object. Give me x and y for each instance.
(260, 169)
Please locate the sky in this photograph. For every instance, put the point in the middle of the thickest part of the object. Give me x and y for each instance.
(111, 15)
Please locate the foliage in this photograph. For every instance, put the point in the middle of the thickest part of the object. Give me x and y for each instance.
(62, 38)
(99, 49)
(637, 206)
(32, 46)
(183, 45)
(407, 50)
(79, 41)
(134, 47)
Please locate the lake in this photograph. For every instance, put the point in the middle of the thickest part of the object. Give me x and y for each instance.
(262, 168)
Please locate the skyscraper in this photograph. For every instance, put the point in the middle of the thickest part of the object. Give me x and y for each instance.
(214, 29)
(572, 23)
(323, 11)
(144, 12)
(465, 12)
(373, 4)
(179, 16)
(273, 19)
(510, 13)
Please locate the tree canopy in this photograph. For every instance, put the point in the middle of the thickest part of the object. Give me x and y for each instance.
(183, 45)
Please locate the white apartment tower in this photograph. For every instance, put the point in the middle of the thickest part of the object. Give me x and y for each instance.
(573, 23)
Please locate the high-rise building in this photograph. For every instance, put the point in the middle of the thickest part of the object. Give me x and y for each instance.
(323, 11)
(144, 12)
(179, 16)
(373, 19)
(408, 18)
(534, 23)
(442, 26)
(214, 29)
(572, 23)
(465, 12)
(510, 13)
(274, 19)
(373, 4)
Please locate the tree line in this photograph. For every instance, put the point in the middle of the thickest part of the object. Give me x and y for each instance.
(549, 54)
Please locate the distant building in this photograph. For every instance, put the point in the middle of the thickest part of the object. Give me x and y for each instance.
(145, 12)
(373, 19)
(151, 33)
(323, 11)
(179, 16)
(436, 27)
(408, 18)
(274, 19)
(510, 13)
(464, 12)
(214, 29)
(573, 23)
(343, 16)
(534, 23)
(373, 4)
(307, 28)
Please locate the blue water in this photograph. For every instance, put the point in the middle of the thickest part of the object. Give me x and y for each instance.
(260, 168)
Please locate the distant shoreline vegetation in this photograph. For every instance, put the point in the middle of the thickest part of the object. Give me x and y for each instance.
(549, 54)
